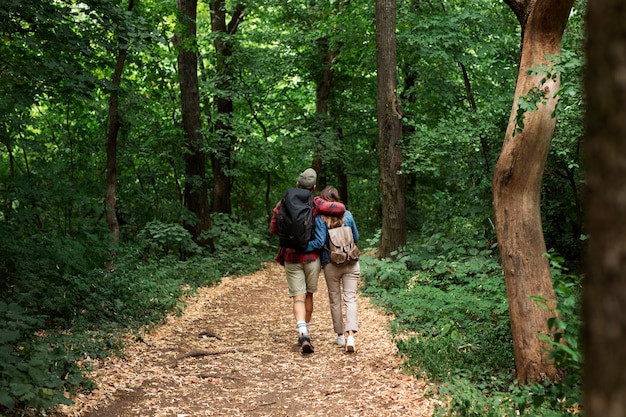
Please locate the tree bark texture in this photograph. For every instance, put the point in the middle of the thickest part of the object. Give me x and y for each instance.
(389, 131)
(604, 299)
(196, 190)
(517, 193)
(221, 160)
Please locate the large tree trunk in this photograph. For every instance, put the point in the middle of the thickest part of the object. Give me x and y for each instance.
(604, 300)
(221, 159)
(389, 131)
(517, 190)
(196, 190)
(111, 148)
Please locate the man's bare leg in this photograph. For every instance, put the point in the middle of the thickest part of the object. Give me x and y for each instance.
(309, 307)
(299, 307)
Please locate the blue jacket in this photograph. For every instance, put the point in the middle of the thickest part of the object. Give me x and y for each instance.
(320, 238)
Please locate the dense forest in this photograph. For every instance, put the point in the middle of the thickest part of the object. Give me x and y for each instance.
(144, 145)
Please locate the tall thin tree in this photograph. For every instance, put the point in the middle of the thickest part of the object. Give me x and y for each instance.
(196, 189)
(111, 147)
(221, 158)
(389, 131)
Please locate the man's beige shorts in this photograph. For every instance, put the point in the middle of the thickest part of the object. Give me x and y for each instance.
(302, 278)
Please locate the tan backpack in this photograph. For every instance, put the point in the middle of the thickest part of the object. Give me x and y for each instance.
(341, 246)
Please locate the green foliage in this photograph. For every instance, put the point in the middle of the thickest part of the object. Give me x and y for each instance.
(39, 268)
(564, 180)
(162, 240)
(452, 326)
(468, 399)
(452, 296)
(456, 101)
(528, 103)
(35, 369)
(239, 247)
(98, 307)
(130, 296)
(566, 327)
(566, 323)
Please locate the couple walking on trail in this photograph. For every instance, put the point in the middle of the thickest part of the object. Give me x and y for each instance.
(303, 265)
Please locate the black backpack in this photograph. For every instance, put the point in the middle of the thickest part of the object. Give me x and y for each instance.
(295, 218)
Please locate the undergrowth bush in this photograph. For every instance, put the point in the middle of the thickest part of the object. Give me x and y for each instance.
(239, 247)
(35, 369)
(159, 239)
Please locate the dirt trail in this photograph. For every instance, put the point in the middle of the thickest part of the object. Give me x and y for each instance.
(233, 352)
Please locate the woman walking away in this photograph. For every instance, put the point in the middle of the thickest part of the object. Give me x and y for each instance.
(340, 275)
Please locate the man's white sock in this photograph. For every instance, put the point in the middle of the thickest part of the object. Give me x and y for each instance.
(302, 328)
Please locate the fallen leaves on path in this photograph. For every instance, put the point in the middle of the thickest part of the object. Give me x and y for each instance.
(233, 352)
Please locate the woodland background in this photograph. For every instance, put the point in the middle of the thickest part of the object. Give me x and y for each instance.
(93, 123)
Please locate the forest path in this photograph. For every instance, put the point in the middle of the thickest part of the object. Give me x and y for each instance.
(233, 352)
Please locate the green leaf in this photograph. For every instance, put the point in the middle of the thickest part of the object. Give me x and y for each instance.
(6, 400)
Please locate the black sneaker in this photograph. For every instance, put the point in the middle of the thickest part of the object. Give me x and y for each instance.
(305, 342)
